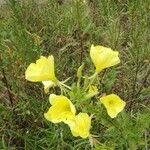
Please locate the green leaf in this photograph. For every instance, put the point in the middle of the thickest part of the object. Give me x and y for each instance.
(79, 71)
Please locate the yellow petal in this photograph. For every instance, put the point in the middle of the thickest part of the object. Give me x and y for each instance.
(103, 57)
(61, 109)
(113, 104)
(48, 85)
(80, 125)
(42, 70)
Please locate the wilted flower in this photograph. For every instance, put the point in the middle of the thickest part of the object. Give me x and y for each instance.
(93, 90)
(103, 57)
(113, 104)
(61, 110)
(41, 71)
(37, 39)
(47, 85)
(80, 125)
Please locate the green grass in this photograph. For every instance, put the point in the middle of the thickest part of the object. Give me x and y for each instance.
(67, 31)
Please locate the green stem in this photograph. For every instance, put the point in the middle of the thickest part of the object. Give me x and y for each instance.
(93, 77)
(66, 86)
(78, 82)
(61, 89)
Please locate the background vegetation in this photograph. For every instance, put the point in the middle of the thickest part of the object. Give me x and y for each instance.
(67, 29)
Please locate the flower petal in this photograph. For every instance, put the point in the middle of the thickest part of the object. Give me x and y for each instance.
(61, 109)
(42, 70)
(80, 125)
(113, 104)
(48, 85)
(103, 57)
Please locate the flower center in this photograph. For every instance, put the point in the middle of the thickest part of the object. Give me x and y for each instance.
(111, 103)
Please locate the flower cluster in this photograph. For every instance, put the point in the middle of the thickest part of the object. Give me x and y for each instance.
(62, 109)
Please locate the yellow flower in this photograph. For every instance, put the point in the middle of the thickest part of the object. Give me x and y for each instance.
(42, 70)
(80, 125)
(103, 57)
(113, 104)
(61, 110)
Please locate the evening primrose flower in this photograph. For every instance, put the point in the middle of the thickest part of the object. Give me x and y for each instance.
(113, 104)
(80, 125)
(48, 85)
(61, 110)
(42, 71)
(103, 57)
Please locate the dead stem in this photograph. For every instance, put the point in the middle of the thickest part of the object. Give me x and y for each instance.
(5, 81)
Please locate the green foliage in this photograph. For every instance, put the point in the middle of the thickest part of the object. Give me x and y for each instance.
(109, 80)
(28, 30)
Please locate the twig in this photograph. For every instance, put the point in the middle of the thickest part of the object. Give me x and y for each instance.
(82, 49)
(7, 86)
(135, 80)
(144, 81)
(80, 30)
